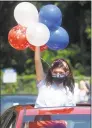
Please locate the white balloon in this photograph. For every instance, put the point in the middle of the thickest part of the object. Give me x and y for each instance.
(25, 13)
(37, 34)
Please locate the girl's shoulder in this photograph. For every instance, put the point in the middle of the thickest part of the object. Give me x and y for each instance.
(41, 83)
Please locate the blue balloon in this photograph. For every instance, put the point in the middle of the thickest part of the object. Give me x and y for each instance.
(59, 39)
(51, 16)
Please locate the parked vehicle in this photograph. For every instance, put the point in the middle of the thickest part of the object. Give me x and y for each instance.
(26, 116)
(7, 101)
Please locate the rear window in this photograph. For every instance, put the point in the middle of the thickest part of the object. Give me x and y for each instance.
(57, 121)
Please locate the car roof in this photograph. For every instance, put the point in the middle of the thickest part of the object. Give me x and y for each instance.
(55, 110)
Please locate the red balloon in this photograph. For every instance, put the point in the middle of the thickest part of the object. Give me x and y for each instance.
(17, 37)
(42, 48)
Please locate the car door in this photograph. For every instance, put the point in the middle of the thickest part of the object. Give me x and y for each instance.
(8, 119)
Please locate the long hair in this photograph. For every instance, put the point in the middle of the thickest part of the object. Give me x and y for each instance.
(68, 80)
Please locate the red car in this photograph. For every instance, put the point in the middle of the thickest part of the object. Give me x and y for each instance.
(64, 117)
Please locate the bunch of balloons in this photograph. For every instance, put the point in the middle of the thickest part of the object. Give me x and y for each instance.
(38, 29)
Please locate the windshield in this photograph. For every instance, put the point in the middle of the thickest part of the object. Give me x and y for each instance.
(57, 121)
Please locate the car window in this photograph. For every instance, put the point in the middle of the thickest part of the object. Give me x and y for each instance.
(57, 121)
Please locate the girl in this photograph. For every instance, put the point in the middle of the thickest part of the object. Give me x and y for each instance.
(57, 87)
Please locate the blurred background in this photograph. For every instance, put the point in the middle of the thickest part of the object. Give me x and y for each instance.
(17, 71)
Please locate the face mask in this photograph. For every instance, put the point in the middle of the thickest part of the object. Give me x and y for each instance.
(58, 78)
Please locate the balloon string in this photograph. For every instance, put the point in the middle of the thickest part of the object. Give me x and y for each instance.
(46, 62)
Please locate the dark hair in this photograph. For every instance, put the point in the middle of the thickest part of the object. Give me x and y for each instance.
(68, 81)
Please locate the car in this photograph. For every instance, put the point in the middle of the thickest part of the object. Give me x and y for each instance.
(7, 101)
(26, 116)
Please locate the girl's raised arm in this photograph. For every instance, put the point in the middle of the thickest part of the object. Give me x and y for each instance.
(38, 65)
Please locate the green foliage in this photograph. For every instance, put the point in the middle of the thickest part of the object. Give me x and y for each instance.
(27, 84)
(24, 85)
(88, 31)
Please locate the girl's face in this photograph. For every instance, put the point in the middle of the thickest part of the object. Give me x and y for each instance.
(59, 70)
(59, 74)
